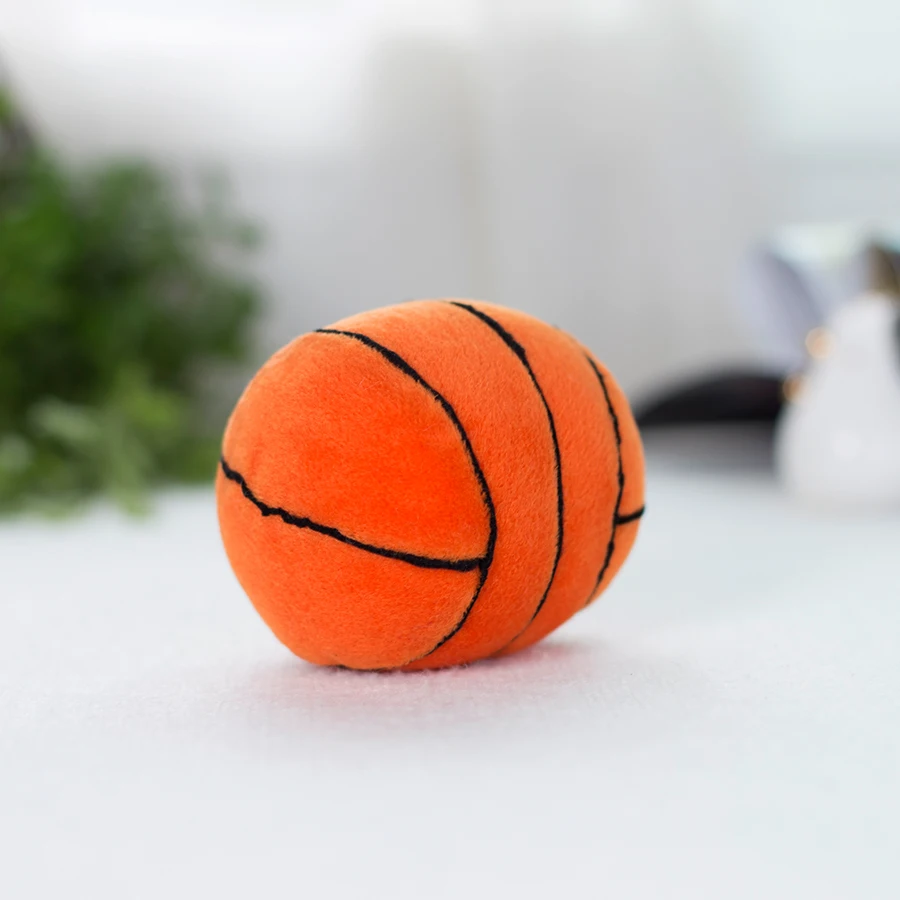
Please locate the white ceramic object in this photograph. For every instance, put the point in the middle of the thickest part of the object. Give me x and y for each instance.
(838, 442)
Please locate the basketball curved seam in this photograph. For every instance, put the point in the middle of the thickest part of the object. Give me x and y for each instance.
(618, 519)
(289, 518)
(625, 518)
(484, 563)
(520, 353)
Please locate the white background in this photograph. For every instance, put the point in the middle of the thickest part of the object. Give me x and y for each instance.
(601, 164)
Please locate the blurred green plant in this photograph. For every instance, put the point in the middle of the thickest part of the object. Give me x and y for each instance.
(114, 298)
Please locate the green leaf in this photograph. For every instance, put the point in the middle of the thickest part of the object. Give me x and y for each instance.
(114, 296)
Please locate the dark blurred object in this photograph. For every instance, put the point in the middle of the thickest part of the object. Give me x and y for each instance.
(884, 261)
(790, 286)
(113, 298)
(727, 397)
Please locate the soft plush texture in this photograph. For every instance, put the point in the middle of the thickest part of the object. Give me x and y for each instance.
(428, 484)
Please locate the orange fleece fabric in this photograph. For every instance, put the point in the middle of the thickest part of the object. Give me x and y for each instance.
(428, 484)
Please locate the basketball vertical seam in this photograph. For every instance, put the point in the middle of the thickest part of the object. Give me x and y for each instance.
(611, 546)
(399, 363)
(520, 353)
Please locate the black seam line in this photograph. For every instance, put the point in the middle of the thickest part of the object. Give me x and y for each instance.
(611, 546)
(630, 517)
(519, 351)
(423, 562)
(483, 563)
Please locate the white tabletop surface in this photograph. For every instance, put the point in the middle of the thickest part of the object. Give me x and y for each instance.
(724, 724)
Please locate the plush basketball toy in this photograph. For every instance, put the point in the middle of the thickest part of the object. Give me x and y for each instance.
(428, 484)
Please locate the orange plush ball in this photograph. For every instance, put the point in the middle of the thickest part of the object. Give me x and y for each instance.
(428, 484)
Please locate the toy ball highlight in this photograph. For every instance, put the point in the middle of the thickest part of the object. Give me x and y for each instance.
(428, 484)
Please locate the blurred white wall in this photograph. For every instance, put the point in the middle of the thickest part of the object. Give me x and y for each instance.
(601, 164)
